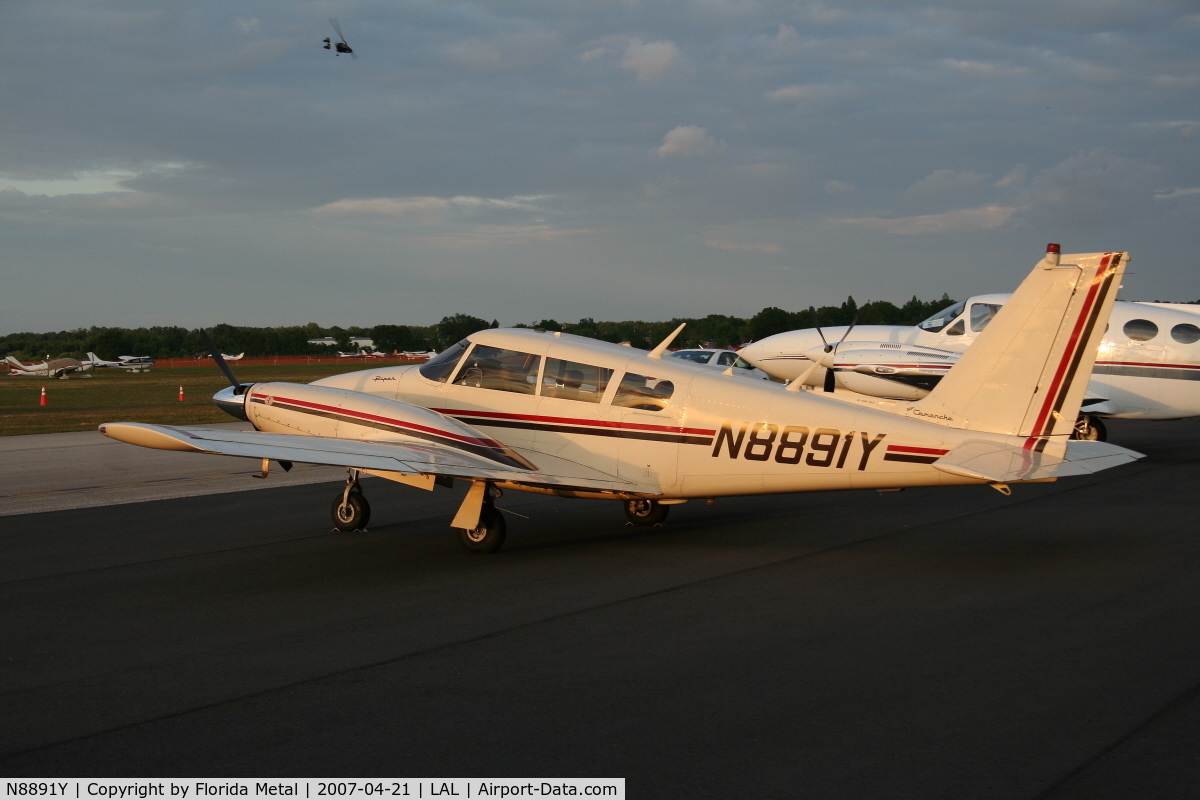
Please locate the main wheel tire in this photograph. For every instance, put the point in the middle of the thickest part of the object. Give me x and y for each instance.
(488, 537)
(645, 512)
(1089, 429)
(353, 515)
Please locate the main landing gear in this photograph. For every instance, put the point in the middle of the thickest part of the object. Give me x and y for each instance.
(1089, 429)
(351, 511)
(488, 535)
(645, 512)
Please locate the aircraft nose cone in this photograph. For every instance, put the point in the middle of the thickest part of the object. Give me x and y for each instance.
(231, 402)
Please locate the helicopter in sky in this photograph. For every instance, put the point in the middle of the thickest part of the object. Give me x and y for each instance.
(340, 46)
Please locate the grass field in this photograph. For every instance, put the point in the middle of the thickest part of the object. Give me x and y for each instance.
(114, 395)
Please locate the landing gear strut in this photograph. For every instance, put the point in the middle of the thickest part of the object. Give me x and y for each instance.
(351, 511)
(1089, 429)
(645, 512)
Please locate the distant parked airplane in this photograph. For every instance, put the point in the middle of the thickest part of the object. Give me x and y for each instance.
(131, 363)
(50, 368)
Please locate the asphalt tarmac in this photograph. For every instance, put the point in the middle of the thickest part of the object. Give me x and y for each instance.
(933, 643)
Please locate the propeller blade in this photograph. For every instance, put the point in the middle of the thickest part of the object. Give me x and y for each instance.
(217, 357)
(817, 325)
(337, 28)
(853, 322)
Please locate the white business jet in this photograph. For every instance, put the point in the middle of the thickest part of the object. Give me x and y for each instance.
(1148, 363)
(546, 412)
(50, 368)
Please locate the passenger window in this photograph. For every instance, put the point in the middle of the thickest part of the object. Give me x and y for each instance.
(727, 358)
(981, 315)
(500, 369)
(1140, 330)
(441, 367)
(570, 380)
(1185, 333)
(641, 391)
(957, 329)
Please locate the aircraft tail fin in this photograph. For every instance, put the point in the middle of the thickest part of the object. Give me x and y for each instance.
(92, 357)
(1027, 372)
(13, 361)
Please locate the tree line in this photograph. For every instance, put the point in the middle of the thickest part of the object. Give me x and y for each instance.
(715, 330)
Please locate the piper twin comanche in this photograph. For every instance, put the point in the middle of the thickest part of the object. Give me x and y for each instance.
(547, 412)
(1147, 367)
(50, 368)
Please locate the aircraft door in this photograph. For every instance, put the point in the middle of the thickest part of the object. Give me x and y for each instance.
(648, 448)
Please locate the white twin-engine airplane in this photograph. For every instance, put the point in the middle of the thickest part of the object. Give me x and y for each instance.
(574, 417)
(1147, 367)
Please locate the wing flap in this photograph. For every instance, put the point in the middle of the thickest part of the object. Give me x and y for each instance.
(407, 457)
(998, 462)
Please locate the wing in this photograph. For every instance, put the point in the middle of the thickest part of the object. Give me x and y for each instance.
(405, 458)
(1001, 463)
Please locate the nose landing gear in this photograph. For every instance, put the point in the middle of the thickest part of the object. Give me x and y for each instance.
(351, 511)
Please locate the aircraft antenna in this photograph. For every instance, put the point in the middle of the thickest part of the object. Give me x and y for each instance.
(665, 343)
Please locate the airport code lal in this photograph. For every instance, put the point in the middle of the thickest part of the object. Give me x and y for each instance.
(141, 789)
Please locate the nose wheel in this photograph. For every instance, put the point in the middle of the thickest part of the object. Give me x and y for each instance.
(351, 511)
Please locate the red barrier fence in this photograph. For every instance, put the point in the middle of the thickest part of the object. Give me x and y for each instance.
(355, 361)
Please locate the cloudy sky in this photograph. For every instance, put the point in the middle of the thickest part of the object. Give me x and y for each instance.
(199, 162)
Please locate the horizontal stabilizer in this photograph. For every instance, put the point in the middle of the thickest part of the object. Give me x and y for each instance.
(1001, 463)
(405, 457)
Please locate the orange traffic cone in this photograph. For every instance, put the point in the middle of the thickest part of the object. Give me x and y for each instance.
(181, 394)
(42, 401)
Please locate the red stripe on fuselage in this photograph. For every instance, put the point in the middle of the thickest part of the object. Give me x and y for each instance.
(931, 451)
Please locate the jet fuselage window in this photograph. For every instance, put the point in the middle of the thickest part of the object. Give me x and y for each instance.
(1140, 330)
(981, 315)
(942, 318)
(441, 367)
(1185, 333)
(500, 369)
(641, 391)
(570, 380)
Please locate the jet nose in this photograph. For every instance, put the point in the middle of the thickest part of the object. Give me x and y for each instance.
(232, 402)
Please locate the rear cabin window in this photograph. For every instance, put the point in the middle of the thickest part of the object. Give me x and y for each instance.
(571, 380)
(500, 369)
(1185, 333)
(981, 315)
(441, 367)
(644, 392)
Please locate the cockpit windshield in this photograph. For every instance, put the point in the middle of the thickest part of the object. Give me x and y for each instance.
(441, 367)
(942, 318)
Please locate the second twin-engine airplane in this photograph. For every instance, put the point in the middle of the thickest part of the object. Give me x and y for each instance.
(1147, 366)
(546, 412)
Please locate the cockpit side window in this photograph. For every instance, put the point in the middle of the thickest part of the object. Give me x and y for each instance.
(644, 392)
(981, 315)
(441, 367)
(957, 329)
(500, 369)
(571, 380)
(942, 318)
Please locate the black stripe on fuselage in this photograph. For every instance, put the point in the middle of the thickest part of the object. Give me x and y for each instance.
(910, 458)
(616, 433)
(1165, 373)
